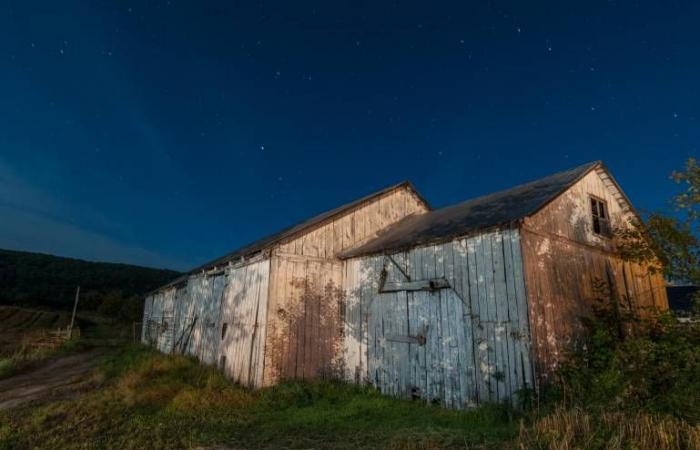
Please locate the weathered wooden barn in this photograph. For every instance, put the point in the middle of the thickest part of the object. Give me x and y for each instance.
(461, 305)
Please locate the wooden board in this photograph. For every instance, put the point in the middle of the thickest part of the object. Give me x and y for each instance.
(456, 346)
(304, 325)
(355, 227)
(561, 278)
(241, 331)
(564, 261)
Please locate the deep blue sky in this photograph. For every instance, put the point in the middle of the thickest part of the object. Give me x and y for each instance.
(168, 133)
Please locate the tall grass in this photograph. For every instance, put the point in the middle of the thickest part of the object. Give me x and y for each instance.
(569, 429)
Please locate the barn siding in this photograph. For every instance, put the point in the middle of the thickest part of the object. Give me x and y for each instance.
(146, 322)
(357, 226)
(198, 317)
(476, 332)
(244, 311)
(304, 321)
(304, 334)
(561, 277)
(569, 215)
(564, 260)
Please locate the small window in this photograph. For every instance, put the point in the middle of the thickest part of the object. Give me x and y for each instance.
(223, 330)
(601, 219)
(222, 362)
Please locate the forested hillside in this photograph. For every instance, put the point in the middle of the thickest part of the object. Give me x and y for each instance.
(34, 279)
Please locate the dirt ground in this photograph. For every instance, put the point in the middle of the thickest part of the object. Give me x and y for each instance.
(59, 377)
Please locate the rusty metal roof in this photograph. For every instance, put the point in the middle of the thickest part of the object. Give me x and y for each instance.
(488, 211)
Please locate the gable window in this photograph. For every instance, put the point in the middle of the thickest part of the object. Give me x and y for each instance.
(601, 219)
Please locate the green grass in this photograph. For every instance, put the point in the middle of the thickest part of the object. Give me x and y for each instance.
(7, 367)
(147, 400)
(139, 398)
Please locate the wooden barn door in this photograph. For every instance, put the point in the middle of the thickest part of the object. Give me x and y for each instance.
(419, 345)
(446, 323)
(211, 318)
(241, 332)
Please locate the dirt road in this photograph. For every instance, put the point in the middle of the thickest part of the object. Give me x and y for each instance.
(60, 377)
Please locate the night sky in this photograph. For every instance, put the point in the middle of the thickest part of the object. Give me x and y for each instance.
(168, 133)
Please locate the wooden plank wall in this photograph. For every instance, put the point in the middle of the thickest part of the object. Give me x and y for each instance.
(569, 215)
(563, 261)
(303, 338)
(561, 278)
(145, 322)
(164, 312)
(476, 333)
(355, 227)
(244, 311)
(304, 335)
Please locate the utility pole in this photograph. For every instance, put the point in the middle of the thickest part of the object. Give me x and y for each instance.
(75, 307)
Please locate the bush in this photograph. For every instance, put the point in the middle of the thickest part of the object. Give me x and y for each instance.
(7, 367)
(655, 370)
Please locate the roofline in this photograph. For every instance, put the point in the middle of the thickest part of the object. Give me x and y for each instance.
(599, 164)
(508, 224)
(342, 210)
(592, 166)
(619, 188)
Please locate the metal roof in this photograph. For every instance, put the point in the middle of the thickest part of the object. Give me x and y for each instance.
(488, 211)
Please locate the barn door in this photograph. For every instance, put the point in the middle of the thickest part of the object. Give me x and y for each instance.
(211, 318)
(419, 346)
(241, 331)
(390, 344)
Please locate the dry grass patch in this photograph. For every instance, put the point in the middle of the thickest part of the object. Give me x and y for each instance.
(570, 429)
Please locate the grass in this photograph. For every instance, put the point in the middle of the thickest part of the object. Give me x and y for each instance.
(638, 394)
(8, 366)
(576, 428)
(147, 400)
(29, 337)
(142, 399)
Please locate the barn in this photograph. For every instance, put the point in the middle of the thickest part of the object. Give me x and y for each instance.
(460, 305)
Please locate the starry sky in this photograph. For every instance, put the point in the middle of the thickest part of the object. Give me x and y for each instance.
(167, 133)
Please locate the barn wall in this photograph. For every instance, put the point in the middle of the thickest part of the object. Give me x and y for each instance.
(158, 320)
(304, 319)
(244, 313)
(565, 264)
(569, 215)
(304, 329)
(355, 227)
(476, 346)
(146, 322)
(197, 306)
(189, 319)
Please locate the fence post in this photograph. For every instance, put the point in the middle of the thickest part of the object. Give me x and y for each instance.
(75, 307)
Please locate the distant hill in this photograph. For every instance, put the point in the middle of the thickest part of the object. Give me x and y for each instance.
(35, 279)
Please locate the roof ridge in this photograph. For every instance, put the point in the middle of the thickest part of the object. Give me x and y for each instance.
(295, 229)
(588, 166)
(489, 210)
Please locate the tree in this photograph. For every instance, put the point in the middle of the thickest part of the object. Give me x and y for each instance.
(669, 243)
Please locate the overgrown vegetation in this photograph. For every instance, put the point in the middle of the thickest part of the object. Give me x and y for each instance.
(670, 243)
(655, 371)
(634, 383)
(28, 336)
(114, 290)
(148, 400)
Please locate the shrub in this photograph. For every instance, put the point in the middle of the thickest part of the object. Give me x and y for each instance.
(655, 370)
